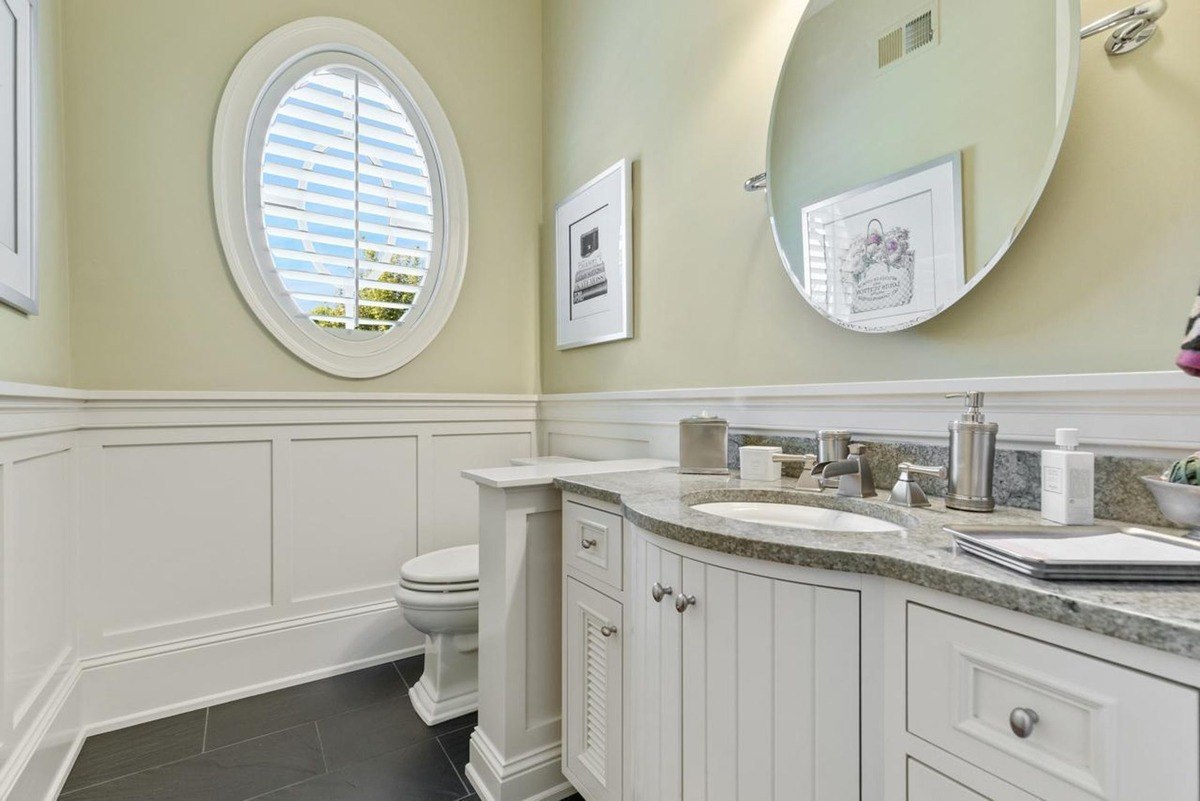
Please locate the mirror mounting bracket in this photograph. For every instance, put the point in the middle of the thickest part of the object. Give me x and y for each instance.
(1132, 27)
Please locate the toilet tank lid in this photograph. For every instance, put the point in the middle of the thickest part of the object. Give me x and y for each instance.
(447, 566)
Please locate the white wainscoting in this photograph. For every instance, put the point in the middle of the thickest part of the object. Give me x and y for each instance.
(167, 551)
(1153, 414)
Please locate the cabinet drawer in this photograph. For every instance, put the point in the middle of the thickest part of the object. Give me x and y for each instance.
(1088, 724)
(592, 542)
(926, 784)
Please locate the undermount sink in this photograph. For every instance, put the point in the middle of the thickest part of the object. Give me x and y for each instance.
(794, 516)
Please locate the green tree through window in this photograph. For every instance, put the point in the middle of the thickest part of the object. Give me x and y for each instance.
(367, 312)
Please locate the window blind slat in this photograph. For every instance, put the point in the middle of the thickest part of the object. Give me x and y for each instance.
(344, 172)
(394, 227)
(348, 283)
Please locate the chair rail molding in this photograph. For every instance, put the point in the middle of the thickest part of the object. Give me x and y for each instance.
(1150, 414)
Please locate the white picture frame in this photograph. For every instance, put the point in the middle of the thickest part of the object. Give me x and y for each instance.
(888, 254)
(18, 173)
(593, 261)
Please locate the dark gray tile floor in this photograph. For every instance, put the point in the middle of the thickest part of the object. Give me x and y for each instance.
(353, 737)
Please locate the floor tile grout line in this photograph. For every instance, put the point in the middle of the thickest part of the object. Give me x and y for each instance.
(453, 767)
(470, 792)
(321, 748)
(323, 717)
(140, 770)
(312, 723)
(204, 738)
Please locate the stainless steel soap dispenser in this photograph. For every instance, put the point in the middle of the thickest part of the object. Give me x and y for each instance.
(972, 458)
(704, 445)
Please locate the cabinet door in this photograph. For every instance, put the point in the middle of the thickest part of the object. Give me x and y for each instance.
(770, 677)
(593, 756)
(655, 708)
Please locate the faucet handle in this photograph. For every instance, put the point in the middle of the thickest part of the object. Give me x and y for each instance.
(907, 492)
(809, 459)
(808, 481)
(906, 469)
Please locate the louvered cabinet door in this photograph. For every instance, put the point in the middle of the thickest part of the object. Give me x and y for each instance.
(592, 761)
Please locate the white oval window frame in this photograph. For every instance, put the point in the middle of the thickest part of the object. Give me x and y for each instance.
(252, 92)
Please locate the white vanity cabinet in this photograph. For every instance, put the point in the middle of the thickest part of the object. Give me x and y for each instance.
(594, 634)
(692, 675)
(743, 686)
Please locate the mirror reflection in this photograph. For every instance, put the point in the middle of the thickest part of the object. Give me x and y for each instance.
(907, 150)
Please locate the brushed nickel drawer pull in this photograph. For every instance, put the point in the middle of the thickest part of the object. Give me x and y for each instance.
(1022, 721)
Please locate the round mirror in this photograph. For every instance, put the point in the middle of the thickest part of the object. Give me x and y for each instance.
(907, 151)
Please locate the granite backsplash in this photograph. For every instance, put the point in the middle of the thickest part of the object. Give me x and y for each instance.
(1119, 493)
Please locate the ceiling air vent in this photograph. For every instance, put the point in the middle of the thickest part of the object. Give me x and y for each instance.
(911, 35)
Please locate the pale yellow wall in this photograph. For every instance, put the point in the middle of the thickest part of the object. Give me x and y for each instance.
(154, 306)
(36, 349)
(1101, 280)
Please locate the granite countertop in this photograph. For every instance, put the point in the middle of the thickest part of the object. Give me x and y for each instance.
(1163, 616)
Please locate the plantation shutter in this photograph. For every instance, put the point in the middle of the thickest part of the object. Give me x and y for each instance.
(347, 207)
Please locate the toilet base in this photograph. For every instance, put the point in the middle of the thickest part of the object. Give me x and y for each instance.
(449, 687)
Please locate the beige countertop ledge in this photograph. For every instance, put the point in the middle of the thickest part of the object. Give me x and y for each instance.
(1163, 616)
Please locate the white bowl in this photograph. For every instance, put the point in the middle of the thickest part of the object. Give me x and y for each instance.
(1179, 503)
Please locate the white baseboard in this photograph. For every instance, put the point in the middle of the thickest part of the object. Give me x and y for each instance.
(120, 690)
(127, 689)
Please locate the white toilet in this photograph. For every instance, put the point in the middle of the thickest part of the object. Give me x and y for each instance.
(439, 596)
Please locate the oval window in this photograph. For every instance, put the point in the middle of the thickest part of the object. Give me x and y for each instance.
(350, 246)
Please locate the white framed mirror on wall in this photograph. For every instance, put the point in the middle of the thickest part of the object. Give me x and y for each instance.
(909, 145)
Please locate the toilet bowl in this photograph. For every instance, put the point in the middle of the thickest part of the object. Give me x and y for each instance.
(438, 593)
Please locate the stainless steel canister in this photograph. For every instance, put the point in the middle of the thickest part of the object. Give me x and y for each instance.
(704, 445)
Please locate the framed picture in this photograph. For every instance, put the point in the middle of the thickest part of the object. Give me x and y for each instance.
(18, 266)
(883, 255)
(592, 255)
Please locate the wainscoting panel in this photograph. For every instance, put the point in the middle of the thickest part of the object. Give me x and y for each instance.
(39, 618)
(582, 441)
(353, 514)
(452, 500)
(183, 535)
(38, 655)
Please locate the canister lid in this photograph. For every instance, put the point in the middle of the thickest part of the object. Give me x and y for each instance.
(704, 418)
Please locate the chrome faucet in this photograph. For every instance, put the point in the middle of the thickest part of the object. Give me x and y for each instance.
(856, 480)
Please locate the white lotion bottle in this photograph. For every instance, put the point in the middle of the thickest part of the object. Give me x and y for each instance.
(1068, 481)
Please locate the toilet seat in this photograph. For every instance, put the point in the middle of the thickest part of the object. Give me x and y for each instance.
(419, 586)
(447, 570)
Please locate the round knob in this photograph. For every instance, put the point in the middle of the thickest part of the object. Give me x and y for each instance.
(608, 631)
(658, 591)
(588, 544)
(1022, 721)
(682, 602)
